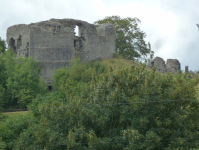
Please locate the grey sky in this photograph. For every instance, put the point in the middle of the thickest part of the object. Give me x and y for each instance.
(170, 25)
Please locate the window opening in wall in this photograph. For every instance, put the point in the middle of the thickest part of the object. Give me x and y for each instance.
(49, 88)
(12, 45)
(74, 43)
(152, 64)
(57, 29)
(76, 31)
(27, 49)
(19, 42)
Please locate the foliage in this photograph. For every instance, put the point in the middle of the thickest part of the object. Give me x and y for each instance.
(2, 45)
(77, 75)
(2, 117)
(130, 109)
(2, 144)
(11, 129)
(130, 39)
(19, 80)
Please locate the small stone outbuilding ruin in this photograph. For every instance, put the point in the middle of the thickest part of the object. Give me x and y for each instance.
(172, 65)
(53, 43)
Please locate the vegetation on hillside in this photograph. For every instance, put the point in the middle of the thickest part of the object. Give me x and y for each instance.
(95, 108)
(2, 45)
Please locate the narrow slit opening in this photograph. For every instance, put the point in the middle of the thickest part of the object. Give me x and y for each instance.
(49, 88)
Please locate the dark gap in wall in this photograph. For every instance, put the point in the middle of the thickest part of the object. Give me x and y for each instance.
(19, 43)
(49, 88)
(74, 43)
(152, 64)
(56, 29)
(27, 49)
(12, 45)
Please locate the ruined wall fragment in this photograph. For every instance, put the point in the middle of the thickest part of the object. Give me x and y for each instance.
(173, 65)
(159, 63)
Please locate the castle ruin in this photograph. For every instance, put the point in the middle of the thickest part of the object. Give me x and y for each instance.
(172, 65)
(53, 43)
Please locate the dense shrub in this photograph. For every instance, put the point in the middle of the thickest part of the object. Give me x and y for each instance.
(71, 79)
(132, 109)
(10, 130)
(2, 117)
(19, 81)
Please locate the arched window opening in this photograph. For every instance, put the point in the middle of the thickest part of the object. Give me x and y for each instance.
(76, 31)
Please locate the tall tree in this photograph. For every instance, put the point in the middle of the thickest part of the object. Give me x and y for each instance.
(19, 81)
(130, 39)
(2, 45)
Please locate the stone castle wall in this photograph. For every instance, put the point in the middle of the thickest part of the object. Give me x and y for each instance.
(172, 65)
(53, 43)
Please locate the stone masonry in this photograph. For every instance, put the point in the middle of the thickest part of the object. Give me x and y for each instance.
(159, 63)
(53, 43)
(172, 65)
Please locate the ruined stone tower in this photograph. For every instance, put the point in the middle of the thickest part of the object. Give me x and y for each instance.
(53, 43)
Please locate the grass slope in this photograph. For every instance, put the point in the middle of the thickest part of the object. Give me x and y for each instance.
(16, 113)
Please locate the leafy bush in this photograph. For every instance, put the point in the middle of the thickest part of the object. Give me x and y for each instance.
(19, 81)
(10, 130)
(132, 109)
(77, 75)
(2, 45)
(2, 117)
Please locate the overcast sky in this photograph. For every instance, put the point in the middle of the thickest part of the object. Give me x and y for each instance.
(170, 25)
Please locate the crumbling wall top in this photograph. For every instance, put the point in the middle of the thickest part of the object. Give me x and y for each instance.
(172, 65)
(159, 63)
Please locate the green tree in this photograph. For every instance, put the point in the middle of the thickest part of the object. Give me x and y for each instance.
(10, 130)
(2, 70)
(132, 109)
(2, 45)
(19, 80)
(130, 39)
(76, 75)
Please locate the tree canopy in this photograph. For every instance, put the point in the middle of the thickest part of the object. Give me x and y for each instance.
(20, 81)
(130, 39)
(2, 45)
(131, 109)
